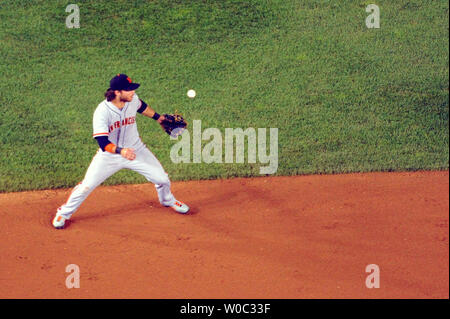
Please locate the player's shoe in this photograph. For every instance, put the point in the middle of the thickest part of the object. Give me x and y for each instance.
(58, 222)
(180, 207)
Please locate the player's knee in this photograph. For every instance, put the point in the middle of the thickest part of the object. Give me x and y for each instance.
(161, 179)
(163, 182)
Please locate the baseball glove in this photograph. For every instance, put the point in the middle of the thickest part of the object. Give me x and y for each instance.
(173, 124)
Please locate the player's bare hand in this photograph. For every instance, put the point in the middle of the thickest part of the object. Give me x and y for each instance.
(128, 153)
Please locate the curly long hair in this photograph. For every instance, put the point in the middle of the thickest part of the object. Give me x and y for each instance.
(110, 95)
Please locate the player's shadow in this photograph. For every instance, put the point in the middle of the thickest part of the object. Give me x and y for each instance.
(136, 209)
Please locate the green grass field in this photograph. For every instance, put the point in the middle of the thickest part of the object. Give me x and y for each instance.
(345, 98)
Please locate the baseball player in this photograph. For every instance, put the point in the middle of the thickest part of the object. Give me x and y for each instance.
(116, 132)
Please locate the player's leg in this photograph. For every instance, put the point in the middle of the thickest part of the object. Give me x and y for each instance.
(148, 165)
(103, 165)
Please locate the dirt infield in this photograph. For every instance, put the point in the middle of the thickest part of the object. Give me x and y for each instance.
(275, 237)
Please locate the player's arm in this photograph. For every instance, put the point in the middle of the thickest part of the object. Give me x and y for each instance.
(146, 110)
(107, 146)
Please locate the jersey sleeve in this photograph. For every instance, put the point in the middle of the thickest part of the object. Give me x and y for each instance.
(136, 102)
(100, 122)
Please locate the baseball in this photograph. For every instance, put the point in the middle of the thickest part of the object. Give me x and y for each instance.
(191, 93)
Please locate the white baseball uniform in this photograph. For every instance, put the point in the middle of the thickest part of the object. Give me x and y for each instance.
(119, 125)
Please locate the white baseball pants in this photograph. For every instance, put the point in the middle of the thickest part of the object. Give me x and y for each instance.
(105, 164)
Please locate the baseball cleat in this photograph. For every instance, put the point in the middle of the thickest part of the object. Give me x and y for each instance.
(58, 222)
(180, 207)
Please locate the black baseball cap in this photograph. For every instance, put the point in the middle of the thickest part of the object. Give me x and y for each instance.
(122, 82)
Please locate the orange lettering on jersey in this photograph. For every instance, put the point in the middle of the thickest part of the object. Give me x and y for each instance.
(128, 121)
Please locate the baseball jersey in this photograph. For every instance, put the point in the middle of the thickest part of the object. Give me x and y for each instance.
(119, 125)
